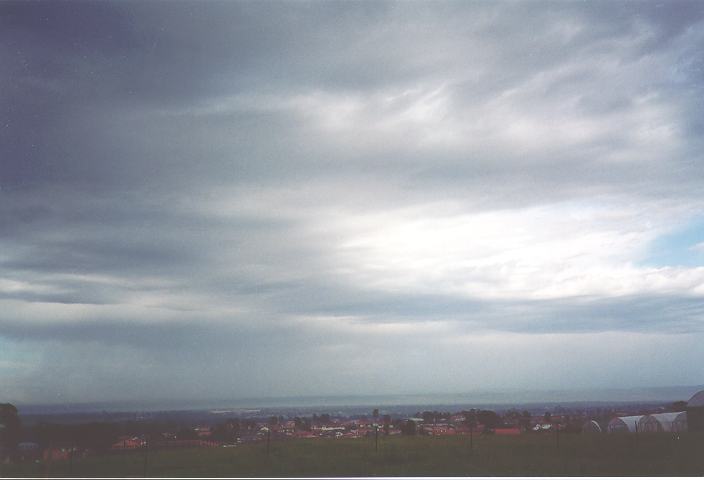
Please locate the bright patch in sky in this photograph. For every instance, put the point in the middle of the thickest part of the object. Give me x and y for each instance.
(683, 247)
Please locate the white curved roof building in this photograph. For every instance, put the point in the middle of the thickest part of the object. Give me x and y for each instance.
(625, 424)
(664, 422)
(671, 422)
(649, 424)
(695, 412)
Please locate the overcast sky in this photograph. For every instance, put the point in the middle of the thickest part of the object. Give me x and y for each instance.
(205, 199)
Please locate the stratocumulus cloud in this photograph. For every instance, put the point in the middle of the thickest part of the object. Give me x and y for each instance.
(242, 199)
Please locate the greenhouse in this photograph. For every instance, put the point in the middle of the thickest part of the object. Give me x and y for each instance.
(649, 424)
(695, 413)
(592, 426)
(671, 422)
(625, 424)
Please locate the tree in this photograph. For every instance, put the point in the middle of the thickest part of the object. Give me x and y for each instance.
(227, 431)
(96, 436)
(512, 416)
(299, 423)
(234, 425)
(387, 424)
(470, 418)
(221, 433)
(302, 424)
(50, 434)
(186, 434)
(10, 429)
(489, 419)
(433, 416)
(524, 420)
(408, 428)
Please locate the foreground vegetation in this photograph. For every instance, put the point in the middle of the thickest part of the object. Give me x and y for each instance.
(526, 455)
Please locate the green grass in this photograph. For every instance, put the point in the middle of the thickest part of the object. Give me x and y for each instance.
(527, 455)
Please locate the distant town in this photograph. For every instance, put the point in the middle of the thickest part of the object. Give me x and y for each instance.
(65, 436)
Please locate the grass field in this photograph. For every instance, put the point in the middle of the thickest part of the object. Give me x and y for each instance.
(647, 454)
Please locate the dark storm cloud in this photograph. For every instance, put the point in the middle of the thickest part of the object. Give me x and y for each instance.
(135, 56)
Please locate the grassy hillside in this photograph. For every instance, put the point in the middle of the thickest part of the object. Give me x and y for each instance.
(409, 456)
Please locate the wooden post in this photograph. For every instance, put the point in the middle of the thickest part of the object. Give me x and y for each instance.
(471, 438)
(268, 440)
(557, 435)
(376, 438)
(635, 438)
(146, 456)
(48, 460)
(70, 462)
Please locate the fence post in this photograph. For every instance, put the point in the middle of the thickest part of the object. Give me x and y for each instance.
(376, 438)
(124, 454)
(268, 440)
(471, 438)
(146, 456)
(49, 459)
(635, 422)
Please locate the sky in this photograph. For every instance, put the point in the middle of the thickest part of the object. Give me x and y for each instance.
(233, 200)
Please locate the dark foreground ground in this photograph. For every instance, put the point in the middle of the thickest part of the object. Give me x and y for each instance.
(527, 455)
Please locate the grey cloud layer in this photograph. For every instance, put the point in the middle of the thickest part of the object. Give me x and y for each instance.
(171, 175)
(110, 66)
